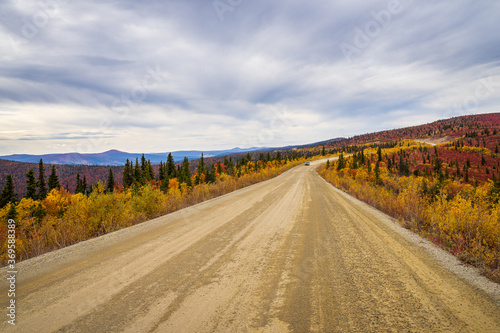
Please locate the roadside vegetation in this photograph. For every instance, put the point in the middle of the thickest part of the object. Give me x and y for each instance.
(448, 194)
(49, 217)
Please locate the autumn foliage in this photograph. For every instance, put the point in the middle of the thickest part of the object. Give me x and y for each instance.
(458, 216)
(65, 218)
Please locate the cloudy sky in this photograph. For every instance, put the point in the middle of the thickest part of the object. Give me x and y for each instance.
(164, 75)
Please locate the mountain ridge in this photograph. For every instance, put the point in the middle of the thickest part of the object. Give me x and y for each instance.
(114, 157)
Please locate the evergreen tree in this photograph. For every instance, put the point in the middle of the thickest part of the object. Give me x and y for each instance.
(128, 174)
(39, 213)
(211, 175)
(171, 171)
(341, 162)
(42, 188)
(185, 172)
(323, 152)
(150, 172)
(53, 179)
(137, 172)
(11, 213)
(161, 171)
(8, 193)
(230, 167)
(403, 168)
(377, 172)
(144, 166)
(379, 154)
(84, 185)
(111, 181)
(30, 185)
(327, 164)
(79, 187)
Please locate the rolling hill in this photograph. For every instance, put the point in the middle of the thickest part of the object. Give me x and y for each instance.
(117, 158)
(474, 131)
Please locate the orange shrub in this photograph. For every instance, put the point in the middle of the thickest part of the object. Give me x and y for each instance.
(461, 218)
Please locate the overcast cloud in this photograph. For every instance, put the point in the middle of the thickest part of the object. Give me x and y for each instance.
(156, 76)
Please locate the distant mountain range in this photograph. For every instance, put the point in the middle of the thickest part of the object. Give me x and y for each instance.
(117, 158)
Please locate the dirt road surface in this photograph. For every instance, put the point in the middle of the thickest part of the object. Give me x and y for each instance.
(287, 255)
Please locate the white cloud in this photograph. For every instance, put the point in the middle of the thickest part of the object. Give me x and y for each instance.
(86, 70)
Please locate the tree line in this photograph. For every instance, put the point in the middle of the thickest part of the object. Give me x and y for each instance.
(142, 172)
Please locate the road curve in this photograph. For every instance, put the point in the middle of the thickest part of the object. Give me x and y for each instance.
(291, 254)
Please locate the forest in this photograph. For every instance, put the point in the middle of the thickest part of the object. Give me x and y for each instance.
(448, 193)
(49, 216)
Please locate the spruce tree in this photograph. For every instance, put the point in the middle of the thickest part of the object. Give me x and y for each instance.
(230, 166)
(42, 188)
(323, 152)
(30, 185)
(341, 162)
(84, 185)
(377, 172)
(39, 213)
(8, 193)
(79, 187)
(110, 185)
(12, 212)
(211, 175)
(379, 154)
(137, 172)
(127, 177)
(171, 171)
(143, 166)
(186, 172)
(150, 171)
(53, 179)
(161, 171)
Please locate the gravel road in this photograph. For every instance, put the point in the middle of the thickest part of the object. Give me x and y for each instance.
(291, 254)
